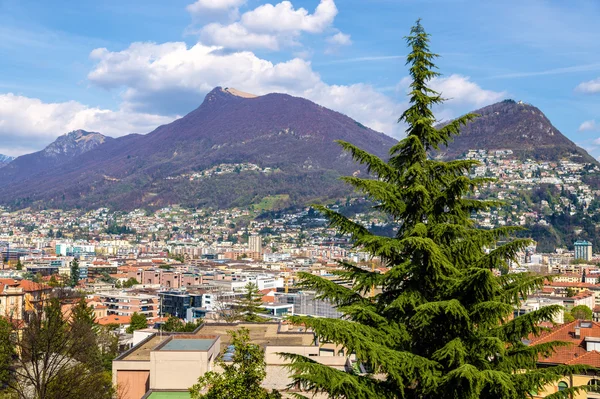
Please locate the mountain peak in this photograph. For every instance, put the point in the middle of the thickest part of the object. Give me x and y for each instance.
(5, 159)
(517, 126)
(74, 143)
(239, 93)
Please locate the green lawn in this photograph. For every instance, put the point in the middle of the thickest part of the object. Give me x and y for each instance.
(169, 395)
(268, 202)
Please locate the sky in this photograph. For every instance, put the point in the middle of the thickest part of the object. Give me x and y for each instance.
(127, 66)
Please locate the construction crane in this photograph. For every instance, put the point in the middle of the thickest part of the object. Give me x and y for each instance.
(286, 280)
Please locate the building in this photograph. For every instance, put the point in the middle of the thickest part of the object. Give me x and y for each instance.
(164, 363)
(305, 303)
(125, 303)
(585, 339)
(255, 244)
(177, 303)
(12, 299)
(165, 278)
(583, 250)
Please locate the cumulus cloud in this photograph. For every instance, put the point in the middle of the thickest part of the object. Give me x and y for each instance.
(589, 87)
(462, 95)
(237, 36)
(154, 75)
(283, 17)
(270, 26)
(587, 126)
(460, 90)
(173, 78)
(28, 124)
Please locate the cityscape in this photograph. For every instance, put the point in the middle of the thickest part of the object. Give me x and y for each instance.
(230, 199)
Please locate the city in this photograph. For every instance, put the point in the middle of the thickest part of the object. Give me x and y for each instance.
(225, 199)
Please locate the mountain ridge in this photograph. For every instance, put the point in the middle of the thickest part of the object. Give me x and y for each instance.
(64, 149)
(5, 159)
(290, 135)
(516, 126)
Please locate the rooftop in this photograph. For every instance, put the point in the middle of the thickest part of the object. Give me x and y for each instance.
(188, 343)
(263, 334)
(576, 353)
(142, 352)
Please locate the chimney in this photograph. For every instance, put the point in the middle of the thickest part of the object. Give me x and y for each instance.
(577, 330)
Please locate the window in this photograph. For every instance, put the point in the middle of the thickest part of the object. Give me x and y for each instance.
(562, 386)
(594, 382)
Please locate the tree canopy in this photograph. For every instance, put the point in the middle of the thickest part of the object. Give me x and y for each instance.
(240, 378)
(139, 321)
(250, 304)
(441, 325)
(582, 312)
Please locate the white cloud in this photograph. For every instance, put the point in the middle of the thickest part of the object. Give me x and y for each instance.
(28, 124)
(460, 90)
(172, 78)
(587, 126)
(213, 5)
(236, 36)
(589, 87)
(270, 26)
(340, 39)
(461, 94)
(283, 17)
(157, 75)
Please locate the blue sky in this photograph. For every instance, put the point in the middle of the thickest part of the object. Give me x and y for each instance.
(127, 66)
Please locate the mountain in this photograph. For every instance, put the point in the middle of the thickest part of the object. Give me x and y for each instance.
(289, 140)
(5, 159)
(64, 149)
(515, 126)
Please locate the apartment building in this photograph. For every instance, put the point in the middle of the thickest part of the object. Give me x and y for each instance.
(165, 278)
(122, 303)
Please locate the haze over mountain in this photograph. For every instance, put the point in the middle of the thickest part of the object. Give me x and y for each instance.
(515, 126)
(292, 136)
(5, 159)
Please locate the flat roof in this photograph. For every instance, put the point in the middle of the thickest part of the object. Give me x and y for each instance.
(262, 334)
(201, 344)
(143, 352)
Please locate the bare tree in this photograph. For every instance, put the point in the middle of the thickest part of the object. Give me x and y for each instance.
(57, 358)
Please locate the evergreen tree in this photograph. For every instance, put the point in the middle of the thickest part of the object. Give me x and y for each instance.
(19, 265)
(250, 305)
(74, 273)
(440, 328)
(241, 378)
(139, 321)
(7, 352)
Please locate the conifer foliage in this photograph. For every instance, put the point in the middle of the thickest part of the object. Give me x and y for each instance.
(440, 327)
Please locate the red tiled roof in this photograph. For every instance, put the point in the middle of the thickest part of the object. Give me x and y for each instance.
(591, 358)
(28, 285)
(576, 353)
(114, 319)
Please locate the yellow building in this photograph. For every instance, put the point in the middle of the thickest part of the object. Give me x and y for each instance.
(585, 350)
(11, 300)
